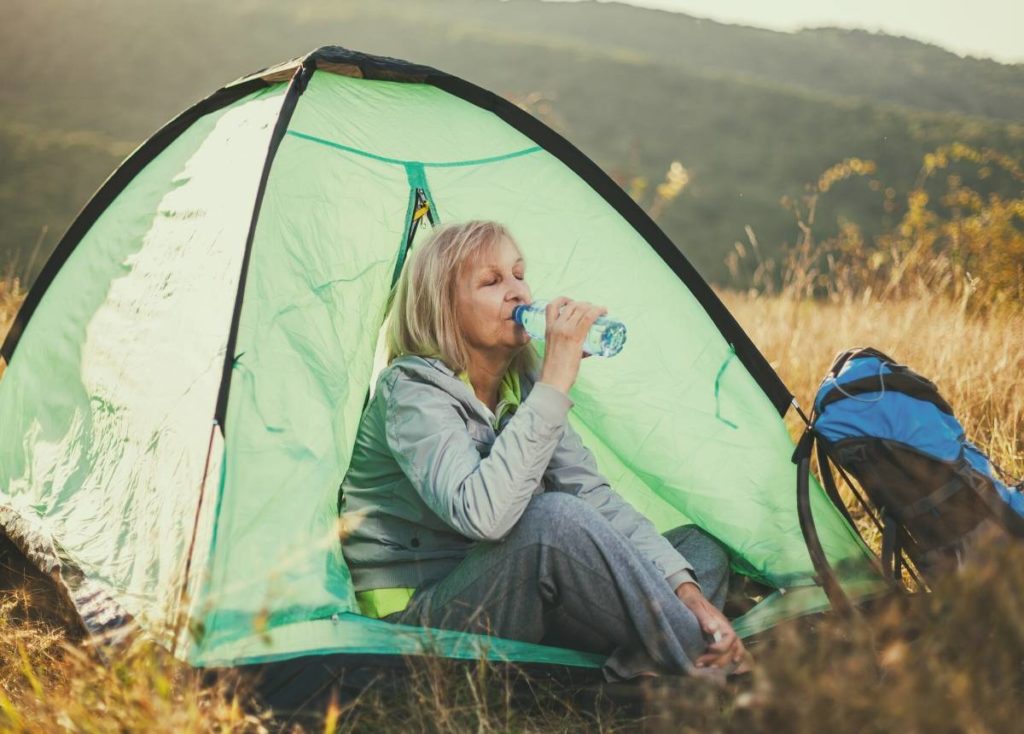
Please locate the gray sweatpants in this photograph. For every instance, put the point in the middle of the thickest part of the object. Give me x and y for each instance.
(564, 576)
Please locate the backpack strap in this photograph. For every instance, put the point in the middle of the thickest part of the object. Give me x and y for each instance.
(843, 357)
(1003, 513)
(825, 575)
(932, 501)
(827, 478)
(891, 532)
(905, 382)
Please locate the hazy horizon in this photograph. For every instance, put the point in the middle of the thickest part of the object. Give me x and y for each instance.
(985, 28)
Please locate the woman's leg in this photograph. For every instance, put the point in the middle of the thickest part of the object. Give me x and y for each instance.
(709, 560)
(564, 575)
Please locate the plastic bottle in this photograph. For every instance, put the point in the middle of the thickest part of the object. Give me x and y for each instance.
(605, 339)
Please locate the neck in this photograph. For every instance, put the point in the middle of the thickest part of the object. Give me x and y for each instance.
(485, 372)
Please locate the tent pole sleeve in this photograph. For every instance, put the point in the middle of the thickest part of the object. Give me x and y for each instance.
(295, 89)
(181, 613)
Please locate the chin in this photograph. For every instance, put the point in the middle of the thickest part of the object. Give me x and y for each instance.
(515, 348)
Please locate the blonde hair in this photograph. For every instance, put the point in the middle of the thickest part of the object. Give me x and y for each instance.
(422, 318)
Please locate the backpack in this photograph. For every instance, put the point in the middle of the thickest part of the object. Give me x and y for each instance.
(929, 490)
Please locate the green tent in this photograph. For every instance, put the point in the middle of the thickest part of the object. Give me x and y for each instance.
(186, 378)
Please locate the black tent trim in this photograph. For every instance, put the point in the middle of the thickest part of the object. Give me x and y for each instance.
(108, 191)
(295, 89)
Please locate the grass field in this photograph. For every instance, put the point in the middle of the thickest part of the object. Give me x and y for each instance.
(952, 660)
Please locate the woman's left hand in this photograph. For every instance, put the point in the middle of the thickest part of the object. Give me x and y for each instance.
(725, 649)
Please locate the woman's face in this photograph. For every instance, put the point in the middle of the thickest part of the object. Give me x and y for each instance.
(489, 287)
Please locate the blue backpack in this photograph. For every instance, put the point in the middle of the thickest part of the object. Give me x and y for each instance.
(929, 490)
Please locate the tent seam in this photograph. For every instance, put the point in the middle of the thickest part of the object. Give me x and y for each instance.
(422, 164)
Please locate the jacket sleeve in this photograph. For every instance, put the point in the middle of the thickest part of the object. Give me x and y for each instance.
(573, 469)
(480, 498)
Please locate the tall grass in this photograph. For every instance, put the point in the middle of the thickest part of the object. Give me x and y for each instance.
(11, 296)
(977, 360)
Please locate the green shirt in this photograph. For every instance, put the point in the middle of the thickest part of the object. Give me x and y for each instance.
(509, 395)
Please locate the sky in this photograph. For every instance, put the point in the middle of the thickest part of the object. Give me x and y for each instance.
(984, 28)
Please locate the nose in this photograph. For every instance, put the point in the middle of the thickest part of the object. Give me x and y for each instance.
(519, 292)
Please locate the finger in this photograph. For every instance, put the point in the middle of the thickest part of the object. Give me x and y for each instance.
(554, 308)
(746, 663)
(740, 653)
(725, 658)
(723, 645)
(727, 662)
(592, 314)
(572, 314)
(589, 313)
(717, 626)
(712, 660)
(565, 306)
(710, 627)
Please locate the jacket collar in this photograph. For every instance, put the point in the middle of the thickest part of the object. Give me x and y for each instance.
(435, 371)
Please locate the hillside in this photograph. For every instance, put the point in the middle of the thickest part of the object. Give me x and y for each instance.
(751, 114)
(825, 61)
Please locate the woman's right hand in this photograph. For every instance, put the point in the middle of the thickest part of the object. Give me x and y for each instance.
(567, 325)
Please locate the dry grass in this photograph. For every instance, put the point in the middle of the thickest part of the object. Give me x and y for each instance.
(11, 296)
(51, 683)
(975, 359)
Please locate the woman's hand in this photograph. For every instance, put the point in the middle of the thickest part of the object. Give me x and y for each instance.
(567, 325)
(725, 649)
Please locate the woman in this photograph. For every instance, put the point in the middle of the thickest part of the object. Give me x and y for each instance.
(472, 504)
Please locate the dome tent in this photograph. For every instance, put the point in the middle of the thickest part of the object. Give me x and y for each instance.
(186, 378)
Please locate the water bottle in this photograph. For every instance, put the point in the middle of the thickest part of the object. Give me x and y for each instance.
(605, 338)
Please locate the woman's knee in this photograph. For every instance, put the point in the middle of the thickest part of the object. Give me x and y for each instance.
(557, 514)
(708, 556)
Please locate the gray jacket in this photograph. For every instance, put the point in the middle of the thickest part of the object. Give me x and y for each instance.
(430, 477)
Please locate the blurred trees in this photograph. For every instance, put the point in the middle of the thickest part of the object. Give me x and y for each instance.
(946, 236)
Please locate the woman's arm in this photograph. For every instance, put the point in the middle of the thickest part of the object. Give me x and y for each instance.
(483, 498)
(573, 469)
(480, 498)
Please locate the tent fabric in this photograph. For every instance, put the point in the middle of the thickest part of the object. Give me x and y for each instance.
(260, 243)
(105, 403)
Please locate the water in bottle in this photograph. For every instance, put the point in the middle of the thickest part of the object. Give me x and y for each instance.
(605, 338)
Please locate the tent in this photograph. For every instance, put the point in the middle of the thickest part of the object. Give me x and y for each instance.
(185, 379)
